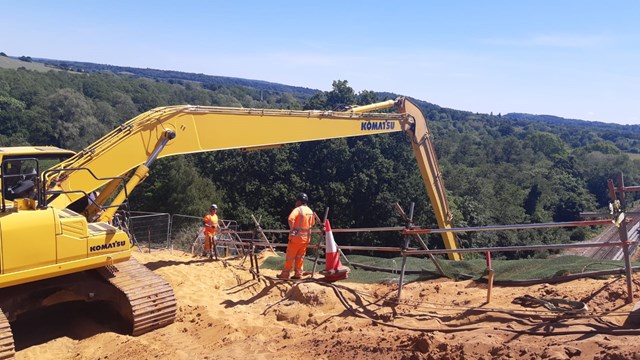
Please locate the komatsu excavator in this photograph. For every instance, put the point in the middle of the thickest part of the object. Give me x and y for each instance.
(57, 241)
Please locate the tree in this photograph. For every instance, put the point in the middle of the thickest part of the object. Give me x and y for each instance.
(316, 102)
(545, 143)
(74, 121)
(175, 186)
(341, 95)
(365, 97)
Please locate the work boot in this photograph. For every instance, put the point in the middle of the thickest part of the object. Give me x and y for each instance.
(283, 275)
(297, 275)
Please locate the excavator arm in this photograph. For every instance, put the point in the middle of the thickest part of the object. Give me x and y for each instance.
(414, 124)
(425, 154)
(116, 163)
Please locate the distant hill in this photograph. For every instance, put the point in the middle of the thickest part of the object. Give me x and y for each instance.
(170, 75)
(556, 120)
(212, 82)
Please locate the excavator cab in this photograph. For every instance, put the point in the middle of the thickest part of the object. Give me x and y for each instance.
(20, 178)
(20, 169)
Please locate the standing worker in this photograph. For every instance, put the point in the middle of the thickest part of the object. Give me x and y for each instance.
(210, 222)
(301, 220)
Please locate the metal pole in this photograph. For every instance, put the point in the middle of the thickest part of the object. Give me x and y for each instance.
(168, 231)
(404, 257)
(261, 232)
(465, 229)
(510, 248)
(409, 222)
(510, 227)
(622, 230)
(411, 251)
(315, 261)
(404, 267)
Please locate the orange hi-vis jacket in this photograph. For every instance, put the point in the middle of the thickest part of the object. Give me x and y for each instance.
(301, 220)
(210, 224)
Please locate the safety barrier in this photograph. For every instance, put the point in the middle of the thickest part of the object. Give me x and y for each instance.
(150, 230)
(247, 242)
(253, 244)
(162, 230)
(186, 234)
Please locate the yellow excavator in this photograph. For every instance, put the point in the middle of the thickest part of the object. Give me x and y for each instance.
(57, 239)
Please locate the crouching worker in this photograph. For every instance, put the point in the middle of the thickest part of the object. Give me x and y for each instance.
(210, 222)
(301, 220)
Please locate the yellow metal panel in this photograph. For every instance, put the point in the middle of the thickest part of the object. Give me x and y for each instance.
(33, 150)
(28, 239)
(71, 248)
(71, 244)
(74, 227)
(49, 271)
(103, 243)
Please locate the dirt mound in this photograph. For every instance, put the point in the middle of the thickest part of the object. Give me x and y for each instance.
(307, 304)
(225, 313)
(312, 294)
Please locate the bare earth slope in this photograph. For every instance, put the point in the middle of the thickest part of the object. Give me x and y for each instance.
(223, 313)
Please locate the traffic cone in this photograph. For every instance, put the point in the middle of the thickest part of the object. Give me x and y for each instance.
(333, 270)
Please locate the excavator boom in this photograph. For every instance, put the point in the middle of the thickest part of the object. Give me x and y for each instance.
(192, 129)
(174, 130)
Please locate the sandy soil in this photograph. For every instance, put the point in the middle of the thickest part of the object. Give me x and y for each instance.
(223, 313)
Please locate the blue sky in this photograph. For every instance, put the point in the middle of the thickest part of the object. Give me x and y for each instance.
(571, 58)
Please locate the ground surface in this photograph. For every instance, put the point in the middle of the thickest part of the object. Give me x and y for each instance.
(223, 313)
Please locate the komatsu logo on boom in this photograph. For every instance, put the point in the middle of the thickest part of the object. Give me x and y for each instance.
(112, 245)
(377, 125)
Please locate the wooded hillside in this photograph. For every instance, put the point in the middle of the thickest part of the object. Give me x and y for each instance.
(497, 169)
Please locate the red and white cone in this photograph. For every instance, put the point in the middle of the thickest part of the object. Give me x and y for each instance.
(333, 270)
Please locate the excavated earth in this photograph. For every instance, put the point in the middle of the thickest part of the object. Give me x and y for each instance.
(226, 313)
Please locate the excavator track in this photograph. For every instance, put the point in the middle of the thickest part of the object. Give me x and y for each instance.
(7, 349)
(151, 301)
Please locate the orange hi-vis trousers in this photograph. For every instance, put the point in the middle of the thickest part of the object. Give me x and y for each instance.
(208, 241)
(296, 250)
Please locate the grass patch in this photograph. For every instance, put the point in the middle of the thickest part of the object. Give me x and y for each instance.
(10, 63)
(633, 156)
(505, 270)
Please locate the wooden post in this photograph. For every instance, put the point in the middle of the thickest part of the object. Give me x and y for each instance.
(490, 277)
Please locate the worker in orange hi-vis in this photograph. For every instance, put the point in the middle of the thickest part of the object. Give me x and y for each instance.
(210, 222)
(301, 220)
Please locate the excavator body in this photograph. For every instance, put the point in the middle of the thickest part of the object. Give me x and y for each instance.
(57, 241)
